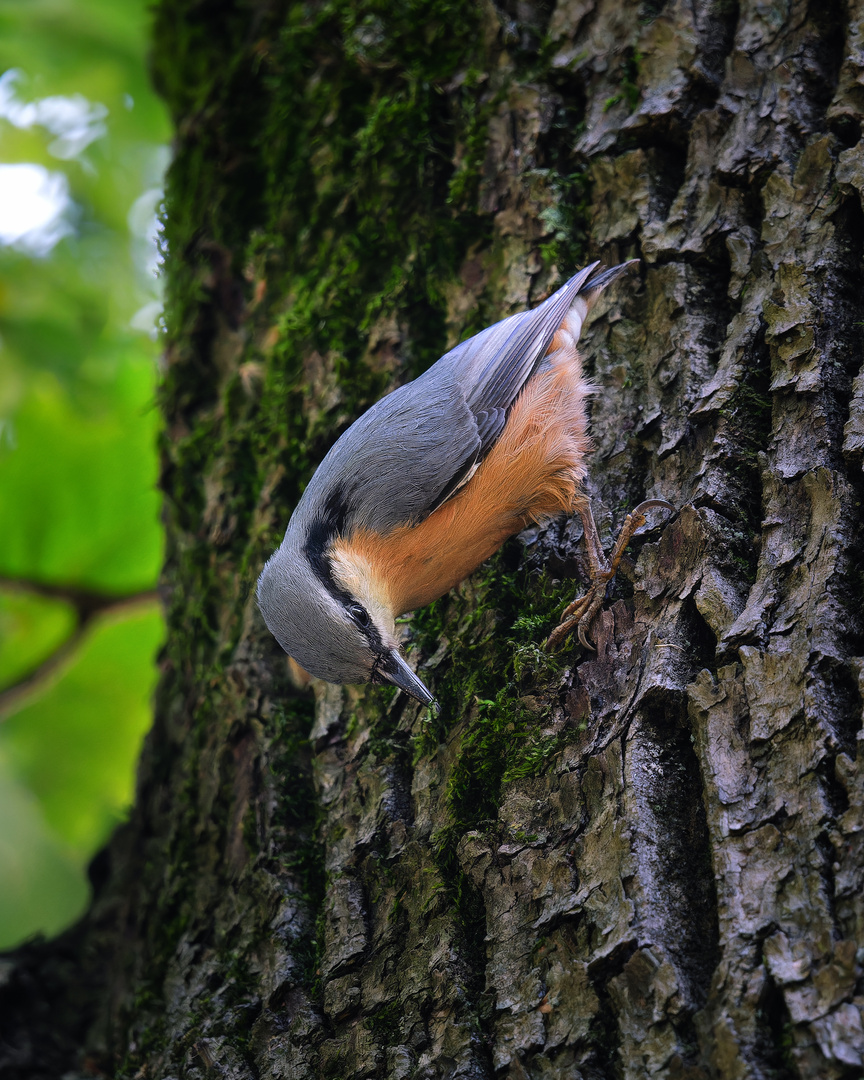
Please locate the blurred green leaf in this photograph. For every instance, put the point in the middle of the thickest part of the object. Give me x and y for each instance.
(57, 312)
(77, 491)
(43, 888)
(75, 745)
(31, 629)
(77, 440)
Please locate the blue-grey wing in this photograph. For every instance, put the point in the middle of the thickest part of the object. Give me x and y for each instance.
(503, 358)
(396, 464)
(416, 447)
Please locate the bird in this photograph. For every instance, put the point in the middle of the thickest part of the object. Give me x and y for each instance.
(429, 483)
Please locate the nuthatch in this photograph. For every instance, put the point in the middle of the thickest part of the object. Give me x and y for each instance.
(430, 482)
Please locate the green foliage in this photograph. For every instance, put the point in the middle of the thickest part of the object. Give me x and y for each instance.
(66, 771)
(92, 719)
(43, 886)
(94, 522)
(32, 627)
(77, 454)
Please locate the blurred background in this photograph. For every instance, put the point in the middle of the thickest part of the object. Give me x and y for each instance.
(83, 149)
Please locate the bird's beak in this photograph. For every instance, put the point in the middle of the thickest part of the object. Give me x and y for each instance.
(395, 670)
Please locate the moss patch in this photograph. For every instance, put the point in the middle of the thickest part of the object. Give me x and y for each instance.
(488, 683)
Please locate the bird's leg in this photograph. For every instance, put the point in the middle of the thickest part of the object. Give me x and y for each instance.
(580, 613)
(583, 609)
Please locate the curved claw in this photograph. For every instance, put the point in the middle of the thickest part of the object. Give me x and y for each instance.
(588, 618)
(649, 504)
(583, 638)
(564, 626)
(580, 613)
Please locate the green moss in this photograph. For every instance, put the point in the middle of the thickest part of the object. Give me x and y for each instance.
(352, 725)
(497, 630)
(341, 230)
(384, 1024)
(387, 741)
(566, 221)
(629, 91)
(495, 667)
(475, 112)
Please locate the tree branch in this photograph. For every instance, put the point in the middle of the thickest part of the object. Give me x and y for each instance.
(87, 606)
(87, 602)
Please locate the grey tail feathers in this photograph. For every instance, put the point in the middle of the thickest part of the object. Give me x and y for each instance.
(599, 282)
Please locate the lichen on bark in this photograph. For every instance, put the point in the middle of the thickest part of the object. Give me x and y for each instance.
(644, 861)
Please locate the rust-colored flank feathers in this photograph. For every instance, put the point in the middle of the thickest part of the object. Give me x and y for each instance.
(533, 473)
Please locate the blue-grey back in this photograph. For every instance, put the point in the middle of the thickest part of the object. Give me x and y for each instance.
(404, 455)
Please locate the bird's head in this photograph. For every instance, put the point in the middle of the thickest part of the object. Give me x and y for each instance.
(335, 625)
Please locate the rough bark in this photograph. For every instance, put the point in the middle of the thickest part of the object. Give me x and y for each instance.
(642, 862)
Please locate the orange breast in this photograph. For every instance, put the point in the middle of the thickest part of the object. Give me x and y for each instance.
(531, 474)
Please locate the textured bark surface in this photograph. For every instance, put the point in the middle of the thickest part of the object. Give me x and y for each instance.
(647, 861)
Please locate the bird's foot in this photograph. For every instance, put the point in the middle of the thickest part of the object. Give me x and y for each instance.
(579, 614)
(582, 611)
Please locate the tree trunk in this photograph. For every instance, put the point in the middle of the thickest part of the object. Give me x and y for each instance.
(644, 861)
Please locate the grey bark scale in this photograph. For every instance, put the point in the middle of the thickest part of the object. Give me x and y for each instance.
(642, 862)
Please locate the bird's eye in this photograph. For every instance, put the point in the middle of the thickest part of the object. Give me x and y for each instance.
(359, 614)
